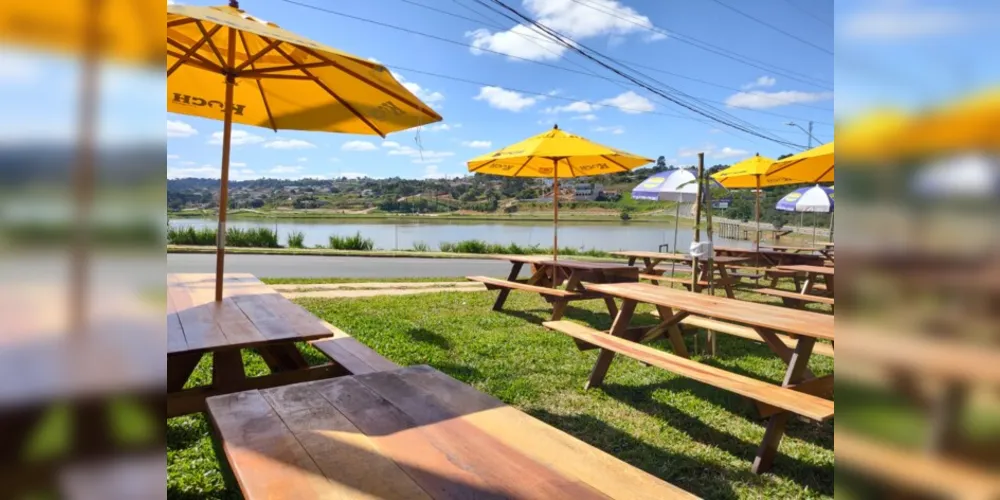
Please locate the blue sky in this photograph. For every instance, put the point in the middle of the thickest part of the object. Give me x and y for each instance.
(480, 118)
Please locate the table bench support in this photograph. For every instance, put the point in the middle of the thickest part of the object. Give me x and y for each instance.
(179, 369)
(776, 424)
(515, 271)
(618, 329)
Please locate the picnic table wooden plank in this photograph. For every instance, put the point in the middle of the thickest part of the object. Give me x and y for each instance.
(548, 446)
(346, 456)
(802, 268)
(781, 319)
(265, 456)
(175, 333)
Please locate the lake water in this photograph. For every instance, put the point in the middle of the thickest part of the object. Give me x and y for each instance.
(389, 235)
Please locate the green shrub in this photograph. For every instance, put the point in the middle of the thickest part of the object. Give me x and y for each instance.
(472, 246)
(190, 236)
(296, 239)
(447, 247)
(481, 247)
(258, 237)
(420, 246)
(355, 242)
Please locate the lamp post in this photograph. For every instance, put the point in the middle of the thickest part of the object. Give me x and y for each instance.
(808, 132)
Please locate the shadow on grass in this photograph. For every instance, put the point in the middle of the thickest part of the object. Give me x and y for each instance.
(464, 373)
(702, 479)
(426, 336)
(794, 469)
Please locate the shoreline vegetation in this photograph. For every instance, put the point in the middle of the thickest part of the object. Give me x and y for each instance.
(267, 239)
(564, 216)
(596, 255)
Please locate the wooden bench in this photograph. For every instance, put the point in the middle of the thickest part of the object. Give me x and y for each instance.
(794, 299)
(354, 356)
(411, 433)
(499, 283)
(784, 398)
(719, 282)
(749, 333)
(913, 471)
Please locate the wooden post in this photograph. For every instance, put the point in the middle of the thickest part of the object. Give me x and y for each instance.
(711, 257)
(227, 129)
(555, 205)
(697, 230)
(756, 214)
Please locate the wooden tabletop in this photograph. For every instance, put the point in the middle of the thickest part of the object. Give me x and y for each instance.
(410, 433)
(781, 319)
(808, 269)
(250, 314)
(674, 256)
(545, 260)
(791, 248)
(527, 259)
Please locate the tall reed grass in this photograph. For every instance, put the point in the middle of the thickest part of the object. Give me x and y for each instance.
(356, 242)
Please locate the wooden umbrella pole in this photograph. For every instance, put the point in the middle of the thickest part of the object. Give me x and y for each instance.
(709, 264)
(227, 129)
(756, 214)
(697, 220)
(555, 204)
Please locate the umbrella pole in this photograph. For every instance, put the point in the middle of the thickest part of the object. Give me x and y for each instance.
(555, 220)
(227, 129)
(756, 215)
(677, 218)
(814, 228)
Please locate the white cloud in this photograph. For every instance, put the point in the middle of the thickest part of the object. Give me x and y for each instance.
(302, 159)
(376, 61)
(573, 107)
(758, 99)
(616, 129)
(713, 152)
(17, 69)
(172, 157)
(434, 172)
(760, 82)
(577, 20)
(429, 97)
(477, 144)
(714, 131)
(441, 127)
(358, 146)
(285, 169)
(236, 164)
(390, 144)
(289, 144)
(418, 156)
(237, 138)
(211, 172)
(588, 118)
(509, 100)
(897, 21)
(179, 129)
(334, 160)
(630, 103)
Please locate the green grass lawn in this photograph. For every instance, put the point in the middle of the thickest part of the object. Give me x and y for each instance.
(690, 434)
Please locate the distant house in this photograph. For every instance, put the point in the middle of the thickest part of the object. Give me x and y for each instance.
(588, 191)
(367, 193)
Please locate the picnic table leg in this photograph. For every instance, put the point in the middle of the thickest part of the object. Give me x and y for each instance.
(282, 357)
(775, 430)
(179, 369)
(515, 271)
(631, 261)
(673, 331)
(807, 287)
(724, 277)
(227, 370)
(618, 329)
(650, 268)
(828, 279)
(778, 347)
(946, 412)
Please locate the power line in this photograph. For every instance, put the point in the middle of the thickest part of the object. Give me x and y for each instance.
(806, 12)
(579, 48)
(773, 27)
(490, 23)
(715, 49)
(462, 44)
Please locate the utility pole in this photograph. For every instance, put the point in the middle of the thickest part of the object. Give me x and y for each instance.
(808, 132)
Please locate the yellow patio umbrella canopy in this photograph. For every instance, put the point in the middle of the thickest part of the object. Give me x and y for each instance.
(225, 64)
(751, 174)
(876, 135)
(556, 154)
(971, 124)
(812, 166)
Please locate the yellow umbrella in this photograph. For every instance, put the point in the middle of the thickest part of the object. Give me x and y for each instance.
(971, 124)
(223, 63)
(874, 135)
(748, 174)
(812, 166)
(556, 154)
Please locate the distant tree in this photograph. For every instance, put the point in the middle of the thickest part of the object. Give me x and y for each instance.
(661, 163)
(782, 157)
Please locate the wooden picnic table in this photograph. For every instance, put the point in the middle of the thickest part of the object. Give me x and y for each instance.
(790, 248)
(800, 392)
(251, 315)
(412, 433)
(764, 257)
(653, 274)
(559, 282)
(813, 274)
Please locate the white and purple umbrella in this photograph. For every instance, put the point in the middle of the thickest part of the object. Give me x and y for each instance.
(677, 185)
(814, 199)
